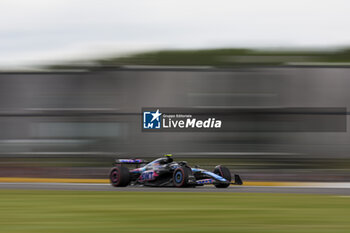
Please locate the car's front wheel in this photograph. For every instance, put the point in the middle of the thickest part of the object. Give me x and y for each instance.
(119, 176)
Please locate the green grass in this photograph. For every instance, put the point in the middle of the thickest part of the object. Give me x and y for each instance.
(80, 211)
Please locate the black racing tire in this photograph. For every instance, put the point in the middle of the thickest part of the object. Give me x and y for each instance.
(119, 176)
(180, 176)
(223, 172)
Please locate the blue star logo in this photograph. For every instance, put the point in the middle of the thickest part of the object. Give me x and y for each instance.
(151, 120)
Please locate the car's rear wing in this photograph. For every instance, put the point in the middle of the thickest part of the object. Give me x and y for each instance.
(130, 161)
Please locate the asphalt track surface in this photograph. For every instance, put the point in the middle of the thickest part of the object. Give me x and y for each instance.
(231, 189)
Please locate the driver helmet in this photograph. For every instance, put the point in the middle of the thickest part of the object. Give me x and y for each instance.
(169, 158)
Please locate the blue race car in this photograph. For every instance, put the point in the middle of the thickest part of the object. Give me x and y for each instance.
(164, 172)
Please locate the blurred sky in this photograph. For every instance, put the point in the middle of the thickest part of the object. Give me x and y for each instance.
(36, 31)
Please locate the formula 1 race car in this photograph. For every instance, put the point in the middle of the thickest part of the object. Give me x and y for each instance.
(164, 172)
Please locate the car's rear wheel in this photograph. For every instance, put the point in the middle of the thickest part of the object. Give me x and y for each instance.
(119, 176)
(180, 176)
(225, 173)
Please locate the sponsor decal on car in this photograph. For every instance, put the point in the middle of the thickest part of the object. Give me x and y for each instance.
(148, 175)
(205, 181)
